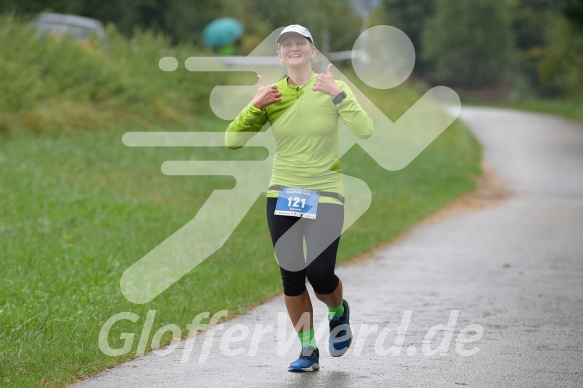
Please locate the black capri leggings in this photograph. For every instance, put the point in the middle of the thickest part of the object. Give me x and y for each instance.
(322, 237)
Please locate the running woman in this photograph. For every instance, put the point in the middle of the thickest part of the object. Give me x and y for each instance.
(305, 200)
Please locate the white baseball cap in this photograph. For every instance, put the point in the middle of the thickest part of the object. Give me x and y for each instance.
(296, 28)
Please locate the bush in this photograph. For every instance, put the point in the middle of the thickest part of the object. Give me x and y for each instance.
(60, 85)
(560, 71)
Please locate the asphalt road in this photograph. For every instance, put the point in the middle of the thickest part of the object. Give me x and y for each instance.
(491, 297)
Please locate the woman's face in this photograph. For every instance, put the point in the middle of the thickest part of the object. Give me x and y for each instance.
(295, 50)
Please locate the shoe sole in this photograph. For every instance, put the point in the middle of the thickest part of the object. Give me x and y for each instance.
(313, 368)
(340, 352)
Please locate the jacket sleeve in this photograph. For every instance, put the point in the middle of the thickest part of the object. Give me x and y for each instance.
(245, 126)
(352, 114)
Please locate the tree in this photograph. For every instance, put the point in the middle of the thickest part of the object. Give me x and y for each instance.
(530, 24)
(335, 17)
(409, 17)
(468, 43)
(561, 68)
(184, 20)
(573, 11)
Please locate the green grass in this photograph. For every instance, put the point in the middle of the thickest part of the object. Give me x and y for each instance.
(61, 86)
(76, 210)
(570, 108)
(77, 207)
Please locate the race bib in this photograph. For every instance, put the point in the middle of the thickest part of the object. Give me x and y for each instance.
(297, 202)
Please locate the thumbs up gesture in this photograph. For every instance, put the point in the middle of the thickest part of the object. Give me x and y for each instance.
(266, 95)
(325, 83)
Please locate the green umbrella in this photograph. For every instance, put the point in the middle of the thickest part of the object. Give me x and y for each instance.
(221, 32)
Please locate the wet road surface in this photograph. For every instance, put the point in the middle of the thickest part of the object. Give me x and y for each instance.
(491, 297)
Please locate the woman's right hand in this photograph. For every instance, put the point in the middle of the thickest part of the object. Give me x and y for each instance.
(266, 95)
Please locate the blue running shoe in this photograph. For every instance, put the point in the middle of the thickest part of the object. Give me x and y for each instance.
(308, 361)
(340, 334)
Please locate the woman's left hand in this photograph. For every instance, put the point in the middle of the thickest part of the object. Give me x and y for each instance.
(325, 83)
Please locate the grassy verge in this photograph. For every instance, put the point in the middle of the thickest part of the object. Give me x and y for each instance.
(62, 86)
(568, 108)
(77, 207)
(77, 210)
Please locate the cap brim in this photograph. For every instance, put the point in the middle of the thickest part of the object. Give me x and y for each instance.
(279, 38)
